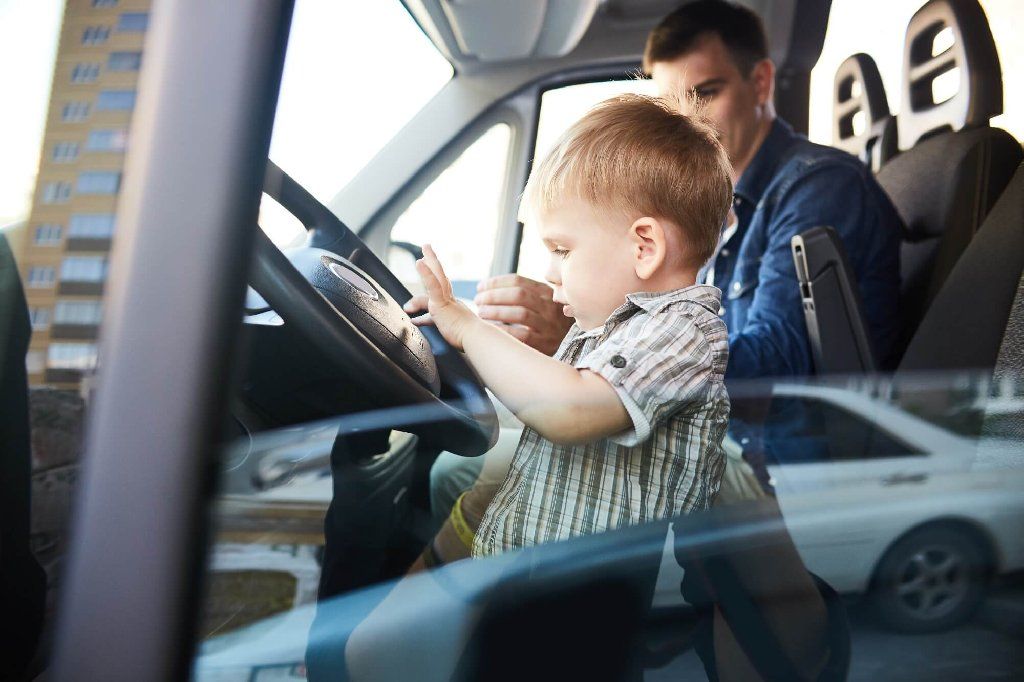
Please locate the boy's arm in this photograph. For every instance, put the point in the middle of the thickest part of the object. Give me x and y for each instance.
(561, 403)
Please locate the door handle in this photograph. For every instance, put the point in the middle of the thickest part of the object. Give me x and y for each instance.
(904, 478)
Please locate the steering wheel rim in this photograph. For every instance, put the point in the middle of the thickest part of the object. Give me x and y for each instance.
(457, 416)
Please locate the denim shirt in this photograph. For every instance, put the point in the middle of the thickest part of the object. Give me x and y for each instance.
(791, 186)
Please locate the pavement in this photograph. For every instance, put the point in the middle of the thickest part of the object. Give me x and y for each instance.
(989, 647)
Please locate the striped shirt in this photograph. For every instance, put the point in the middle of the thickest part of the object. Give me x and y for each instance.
(665, 355)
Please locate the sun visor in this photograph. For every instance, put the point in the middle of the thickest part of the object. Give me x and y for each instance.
(501, 30)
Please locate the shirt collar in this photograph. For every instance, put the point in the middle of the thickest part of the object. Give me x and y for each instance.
(759, 173)
(703, 294)
(651, 302)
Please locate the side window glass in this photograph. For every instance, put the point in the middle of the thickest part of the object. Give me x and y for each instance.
(459, 214)
(559, 109)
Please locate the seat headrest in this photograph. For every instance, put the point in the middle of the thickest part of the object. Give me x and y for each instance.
(972, 51)
(859, 91)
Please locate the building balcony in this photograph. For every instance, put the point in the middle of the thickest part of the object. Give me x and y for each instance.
(75, 332)
(88, 244)
(73, 288)
(63, 376)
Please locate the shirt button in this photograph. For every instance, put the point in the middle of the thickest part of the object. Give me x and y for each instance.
(726, 252)
(736, 286)
(618, 361)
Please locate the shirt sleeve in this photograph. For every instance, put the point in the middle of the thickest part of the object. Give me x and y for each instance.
(656, 369)
(773, 340)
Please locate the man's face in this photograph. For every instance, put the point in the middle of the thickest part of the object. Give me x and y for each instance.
(736, 103)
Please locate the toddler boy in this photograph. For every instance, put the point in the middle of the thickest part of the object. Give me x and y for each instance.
(624, 424)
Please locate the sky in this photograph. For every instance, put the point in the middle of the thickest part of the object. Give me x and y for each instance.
(28, 46)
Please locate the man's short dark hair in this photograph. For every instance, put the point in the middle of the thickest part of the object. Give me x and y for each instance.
(739, 28)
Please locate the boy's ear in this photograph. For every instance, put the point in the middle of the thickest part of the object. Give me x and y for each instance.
(649, 246)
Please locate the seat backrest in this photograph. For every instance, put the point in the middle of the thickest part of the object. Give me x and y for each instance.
(858, 92)
(966, 323)
(954, 166)
(836, 327)
(22, 581)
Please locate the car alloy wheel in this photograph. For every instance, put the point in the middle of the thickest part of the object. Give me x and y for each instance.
(932, 579)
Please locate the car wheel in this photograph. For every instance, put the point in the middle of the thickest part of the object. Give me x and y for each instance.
(930, 580)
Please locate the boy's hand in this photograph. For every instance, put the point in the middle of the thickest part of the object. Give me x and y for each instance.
(451, 317)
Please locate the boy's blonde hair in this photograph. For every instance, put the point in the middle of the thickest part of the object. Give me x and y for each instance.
(644, 156)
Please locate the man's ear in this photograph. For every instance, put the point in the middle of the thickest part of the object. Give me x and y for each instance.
(649, 246)
(763, 77)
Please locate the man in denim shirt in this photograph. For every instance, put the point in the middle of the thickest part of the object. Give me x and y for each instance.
(784, 185)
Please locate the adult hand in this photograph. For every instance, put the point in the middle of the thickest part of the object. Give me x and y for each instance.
(524, 309)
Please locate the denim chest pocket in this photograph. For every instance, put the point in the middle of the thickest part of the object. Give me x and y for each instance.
(744, 279)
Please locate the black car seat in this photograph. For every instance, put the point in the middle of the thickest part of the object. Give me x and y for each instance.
(833, 310)
(22, 581)
(953, 166)
(965, 325)
(859, 91)
(943, 186)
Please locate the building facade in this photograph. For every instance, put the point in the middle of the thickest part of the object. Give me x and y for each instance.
(66, 245)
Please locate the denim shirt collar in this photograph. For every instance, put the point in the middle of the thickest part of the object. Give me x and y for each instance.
(761, 170)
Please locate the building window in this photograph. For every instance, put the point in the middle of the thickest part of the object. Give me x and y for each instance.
(64, 152)
(35, 361)
(91, 225)
(40, 276)
(78, 312)
(98, 182)
(133, 21)
(47, 235)
(124, 61)
(40, 318)
(116, 100)
(56, 192)
(74, 112)
(81, 356)
(83, 269)
(107, 140)
(95, 35)
(104, 3)
(85, 73)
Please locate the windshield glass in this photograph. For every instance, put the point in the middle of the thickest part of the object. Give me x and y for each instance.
(345, 92)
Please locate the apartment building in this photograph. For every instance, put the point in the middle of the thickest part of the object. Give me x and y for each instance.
(64, 252)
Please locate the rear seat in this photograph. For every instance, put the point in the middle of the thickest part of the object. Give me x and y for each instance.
(859, 91)
(953, 169)
(953, 166)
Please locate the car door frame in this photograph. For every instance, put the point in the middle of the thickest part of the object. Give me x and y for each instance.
(200, 137)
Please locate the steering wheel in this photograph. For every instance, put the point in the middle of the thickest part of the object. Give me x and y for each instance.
(345, 302)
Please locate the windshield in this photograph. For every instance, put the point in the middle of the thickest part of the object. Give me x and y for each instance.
(344, 93)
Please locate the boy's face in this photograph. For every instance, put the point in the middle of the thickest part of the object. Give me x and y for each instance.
(592, 265)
